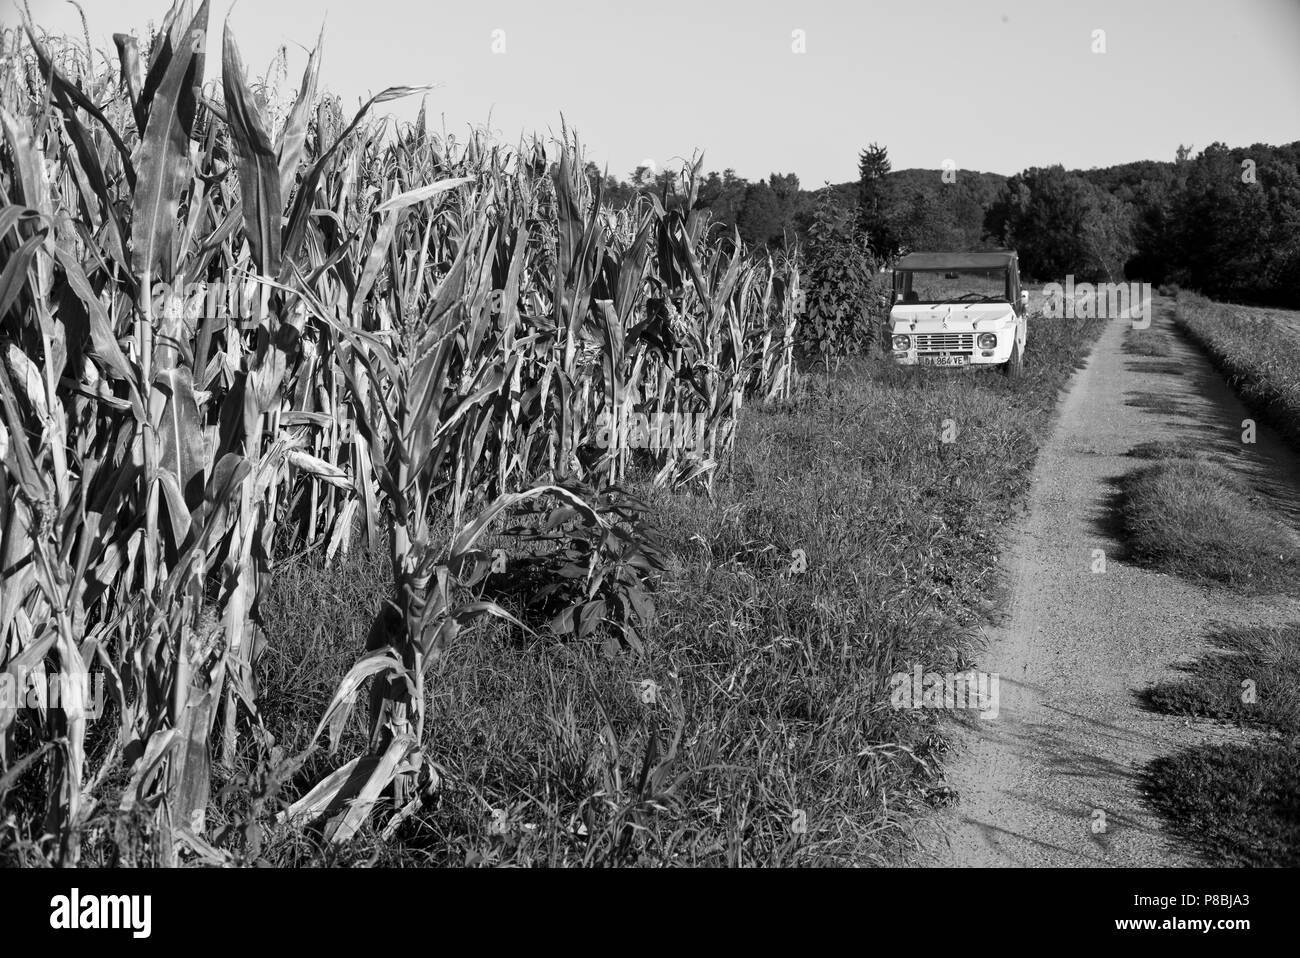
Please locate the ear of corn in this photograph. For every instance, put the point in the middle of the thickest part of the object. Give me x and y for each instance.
(427, 333)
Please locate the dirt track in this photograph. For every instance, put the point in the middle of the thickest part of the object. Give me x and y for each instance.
(1071, 738)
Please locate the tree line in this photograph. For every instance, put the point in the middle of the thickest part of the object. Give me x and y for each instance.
(1225, 221)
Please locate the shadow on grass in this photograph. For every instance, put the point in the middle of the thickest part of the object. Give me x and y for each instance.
(1240, 806)
(1250, 676)
(1156, 403)
(1239, 803)
(1149, 368)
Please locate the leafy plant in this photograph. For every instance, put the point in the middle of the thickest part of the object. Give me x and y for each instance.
(843, 293)
(581, 571)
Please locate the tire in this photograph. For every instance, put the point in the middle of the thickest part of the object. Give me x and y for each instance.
(1014, 367)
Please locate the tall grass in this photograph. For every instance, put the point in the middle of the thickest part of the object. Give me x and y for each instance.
(1255, 349)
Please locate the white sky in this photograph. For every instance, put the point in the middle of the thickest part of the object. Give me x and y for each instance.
(995, 85)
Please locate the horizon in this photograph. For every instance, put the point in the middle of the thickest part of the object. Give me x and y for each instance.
(1237, 87)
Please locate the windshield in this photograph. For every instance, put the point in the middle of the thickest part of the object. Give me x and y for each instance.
(966, 286)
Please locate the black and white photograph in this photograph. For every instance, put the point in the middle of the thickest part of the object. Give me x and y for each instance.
(860, 438)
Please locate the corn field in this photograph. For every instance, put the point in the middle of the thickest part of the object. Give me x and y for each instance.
(230, 328)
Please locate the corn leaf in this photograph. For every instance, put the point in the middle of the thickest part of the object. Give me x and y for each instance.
(259, 172)
(294, 134)
(164, 164)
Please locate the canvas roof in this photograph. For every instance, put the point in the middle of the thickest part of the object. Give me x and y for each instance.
(988, 259)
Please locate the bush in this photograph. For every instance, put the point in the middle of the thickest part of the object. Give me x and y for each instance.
(846, 297)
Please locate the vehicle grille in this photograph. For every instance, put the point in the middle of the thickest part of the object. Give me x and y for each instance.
(945, 342)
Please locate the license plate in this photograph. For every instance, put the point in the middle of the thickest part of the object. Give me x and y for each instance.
(943, 360)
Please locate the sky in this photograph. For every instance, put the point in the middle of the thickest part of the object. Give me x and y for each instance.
(763, 86)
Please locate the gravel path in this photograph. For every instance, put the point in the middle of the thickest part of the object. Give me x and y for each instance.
(1071, 738)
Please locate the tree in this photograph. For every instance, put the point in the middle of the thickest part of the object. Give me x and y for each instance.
(1107, 235)
(921, 225)
(613, 193)
(785, 186)
(761, 220)
(1223, 226)
(1060, 225)
(724, 196)
(1152, 228)
(873, 201)
(844, 296)
(643, 177)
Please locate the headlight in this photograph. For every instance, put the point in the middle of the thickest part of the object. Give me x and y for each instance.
(987, 340)
(902, 342)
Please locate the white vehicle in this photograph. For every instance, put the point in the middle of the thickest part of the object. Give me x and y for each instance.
(959, 309)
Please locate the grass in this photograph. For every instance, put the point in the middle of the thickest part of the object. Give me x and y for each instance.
(1173, 449)
(1255, 350)
(1239, 804)
(770, 702)
(1193, 517)
(1155, 403)
(1268, 657)
(1147, 342)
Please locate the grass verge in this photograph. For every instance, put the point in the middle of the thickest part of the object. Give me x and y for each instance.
(1147, 342)
(1193, 517)
(1252, 677)
(1255, 350)
(1240, 804)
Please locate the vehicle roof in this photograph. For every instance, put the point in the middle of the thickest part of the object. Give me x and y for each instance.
(985, 259)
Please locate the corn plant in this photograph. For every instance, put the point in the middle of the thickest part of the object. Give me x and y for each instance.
(426, 334)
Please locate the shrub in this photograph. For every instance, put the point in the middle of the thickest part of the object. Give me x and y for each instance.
(846, 296)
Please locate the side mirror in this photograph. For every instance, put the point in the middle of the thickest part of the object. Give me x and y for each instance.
(1024, 298)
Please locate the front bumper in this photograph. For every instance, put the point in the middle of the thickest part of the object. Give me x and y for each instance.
(953, 349)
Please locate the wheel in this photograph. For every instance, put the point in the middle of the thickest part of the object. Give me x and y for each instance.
(1014, 367)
